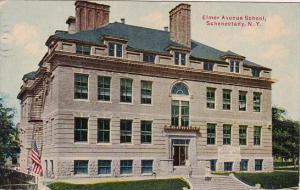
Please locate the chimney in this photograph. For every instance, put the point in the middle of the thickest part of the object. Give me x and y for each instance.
(90, 15)
(180, 24)
(123, 20)
(166, 28)
(71, 22)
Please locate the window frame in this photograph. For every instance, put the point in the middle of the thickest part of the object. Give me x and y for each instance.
(125, 132)
(183, 120)
(107, 168)
(143, 167)
(257, 101)
(81, 130)
(83, 49)
(103, 131)
(146, 133)
(213, 163)
(81, 167)
(242, 100)
(243, 139)
(227, 135)
(149, 58)
(128, 165)
(102, 87)
(128, 90)
(211, 139)
(258, 167)
(256, 72)
(115, 49)
(244, 163)
(146, 91)
(235, 66)
(210, 98)
(257, 138)
(180, 60)
(226, 100)
(81, 86)
(208, 66)
(230, 164)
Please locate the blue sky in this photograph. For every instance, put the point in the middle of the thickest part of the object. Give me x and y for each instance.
(25, 26)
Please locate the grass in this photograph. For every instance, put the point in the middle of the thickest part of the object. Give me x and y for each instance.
(153, 184)
(271, 180)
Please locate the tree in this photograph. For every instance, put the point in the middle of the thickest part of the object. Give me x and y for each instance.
(285, 136)
(9, 143)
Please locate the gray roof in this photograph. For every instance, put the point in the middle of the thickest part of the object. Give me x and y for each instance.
(145, 39)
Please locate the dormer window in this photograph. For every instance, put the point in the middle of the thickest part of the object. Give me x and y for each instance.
(255, 72)
(149, 58)
(83, 49)
(208, 66)
(234, 66)
(180, 58)
(115, 49)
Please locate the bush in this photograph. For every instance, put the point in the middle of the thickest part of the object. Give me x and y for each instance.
(155, 184)
(272, 180)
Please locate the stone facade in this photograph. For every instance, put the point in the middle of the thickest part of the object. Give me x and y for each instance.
(49, 110)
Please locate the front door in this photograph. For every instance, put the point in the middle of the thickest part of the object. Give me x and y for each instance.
(180, 151)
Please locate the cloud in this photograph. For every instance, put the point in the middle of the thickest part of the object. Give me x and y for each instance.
(276, 51)
(24, 33)
(154, 20)
(2, 2)
(274, 28)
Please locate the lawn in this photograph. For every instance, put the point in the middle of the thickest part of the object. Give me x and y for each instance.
(272, 180)
(155, 184)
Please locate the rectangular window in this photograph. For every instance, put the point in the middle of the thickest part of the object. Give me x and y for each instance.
(226, 99)
(146, 132)
(52, 166)
(258, 165)
(104, 88)
(211, 133)
(257, 135)
(244, 165)
(104, 167)
(180, 113)
(146, 92)
(180, 58)
(103, 131)
(228, 166)
(125, 131)
(226, 134)
(243, 135)
(147, 166)
(81, 86)
(242, 100)
(210, 95)
(83, 50)
(115, 49)
(208, 66)
(81, 167)
(126, 90)
(149, 58)
(213, 164)
(255, 72)
(81, 129)
(256, 101)
(234, 66)
(126, 167)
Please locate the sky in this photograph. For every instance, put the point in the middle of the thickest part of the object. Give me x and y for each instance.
(275, 43)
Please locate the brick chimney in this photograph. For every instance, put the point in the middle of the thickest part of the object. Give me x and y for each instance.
(180, 24)
(90, 15)
(71, 21)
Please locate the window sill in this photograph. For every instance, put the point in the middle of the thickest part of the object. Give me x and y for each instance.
(147, 174)
(146, 104)
(81, 143)
(126, 143)
(81, 175)
(126, 103)
(104, 175)
(104, 144)
(81, 100)
(126, 175)
(147, 144)
(103, 101)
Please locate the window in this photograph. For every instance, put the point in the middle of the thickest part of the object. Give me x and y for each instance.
(213, 164)
(255, 72)
(211, 133)
(257, 135)
(228, 166)
(51, 166)
(242, 100)
(243, 135)
(244, 165)
(81, 129)
(81, 167)
(226, 99)
(147, 166)
(146, 92)
(103, 130)
(115, 49)
(234, 66)
(46, 164)
(126, 90)
(210, 95)
(256, 101)
(258, 165)
(208, 66)
(83, 50)
(180, 89)
(80, 86)
(180, 58)
(227, 134)
(104, 88)
(126, 167)
(125, 131)
(104, 166)
(146, 132)
(180, 113)
(149, 58)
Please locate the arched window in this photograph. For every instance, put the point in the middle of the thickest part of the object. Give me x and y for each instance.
(180, 89)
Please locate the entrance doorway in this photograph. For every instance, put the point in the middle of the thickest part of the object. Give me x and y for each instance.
(180, 151)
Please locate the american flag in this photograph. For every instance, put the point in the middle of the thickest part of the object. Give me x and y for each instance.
(36, 160)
